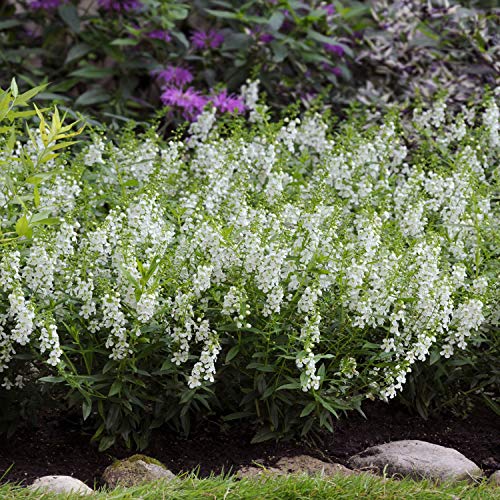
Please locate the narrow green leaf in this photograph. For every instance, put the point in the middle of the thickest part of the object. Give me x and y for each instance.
(69, 14)
(231, 354)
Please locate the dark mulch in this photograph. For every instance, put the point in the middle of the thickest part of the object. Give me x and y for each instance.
(57, 446)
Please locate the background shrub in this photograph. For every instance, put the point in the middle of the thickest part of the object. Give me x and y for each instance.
(126, 59)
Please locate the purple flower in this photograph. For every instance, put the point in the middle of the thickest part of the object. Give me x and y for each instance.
(45, 4)
(207, 39)
(160, 35)
(228, 103)
(330, 9)
(266, 38)
(175, 75)
(189, 100)
(120, 5)
(335, 70)
(334, 49)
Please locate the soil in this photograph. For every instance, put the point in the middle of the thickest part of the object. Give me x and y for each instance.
(58, 446)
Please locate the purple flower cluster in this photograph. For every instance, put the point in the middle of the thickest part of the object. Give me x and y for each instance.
(46, 4)
(335, 70)
(120, 5)
(228, 103)
(261, 36)
(189, 100)
(334, 49)
(160, 35)
(330, 9)
(211, 39)
(174, 75)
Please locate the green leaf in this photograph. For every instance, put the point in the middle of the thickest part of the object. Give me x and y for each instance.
(23, 227)
(237, 41)
(24, 98)
(291, 386)
(86, 408)
(116, 388)
(238, 415)
(427, 31)
(69, 15)
(280, 52)
(10, 23)
(264, 435)
(131, 183)
(308, 409)
(435, 356)
(97, 433)
(261, 367)
(319, 37)
(307, 426)
(52, 380)
(232, 353)
(167, 365)
(13, 88)
(355, 11)
(327, 406)
(181, 38)
(492, 404)
(120, 42)
(276, 20)
(36, 196)
(222, 14)
(106, 442)
(77, 51)
(92, 72)
(92, 96)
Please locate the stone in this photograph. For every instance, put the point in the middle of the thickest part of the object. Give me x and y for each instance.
(251, 471)
(300, 464)
(495, 478)
(61, 484)
(135, 470)
(417, 459)
(310, 465)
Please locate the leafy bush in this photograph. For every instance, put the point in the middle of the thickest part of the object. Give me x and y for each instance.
(457, 384)
(419, 48)
(276, 272)
(121, 59)
(118, 55)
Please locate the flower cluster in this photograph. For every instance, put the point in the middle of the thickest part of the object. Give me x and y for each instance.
(327, 263)
(190, 101)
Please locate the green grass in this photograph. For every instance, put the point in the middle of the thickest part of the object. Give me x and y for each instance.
(289, 487)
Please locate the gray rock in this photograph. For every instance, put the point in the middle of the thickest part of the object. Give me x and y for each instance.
(300, 464)
(61, 484)
(135, 470)
(417, 459)
(495, 478)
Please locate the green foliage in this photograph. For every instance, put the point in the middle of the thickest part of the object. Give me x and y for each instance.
(52, 137)
(103, 63)
(457, 385)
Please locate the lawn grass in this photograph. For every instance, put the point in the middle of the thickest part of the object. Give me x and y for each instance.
(288, 487)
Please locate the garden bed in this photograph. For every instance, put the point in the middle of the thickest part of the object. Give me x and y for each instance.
(58, 446)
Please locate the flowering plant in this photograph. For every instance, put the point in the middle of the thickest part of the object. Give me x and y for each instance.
(125, 58)
(280, 272)
(122, 59)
